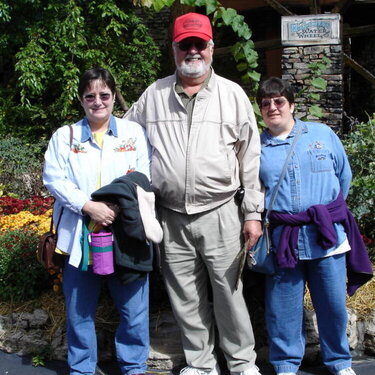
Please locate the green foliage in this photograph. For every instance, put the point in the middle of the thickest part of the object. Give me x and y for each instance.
(46, 45)
(38, 360)
(21, 167)
(21, 276)
(360, 148)
(317, 83)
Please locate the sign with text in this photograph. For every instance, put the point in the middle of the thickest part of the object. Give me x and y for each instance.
(314, 29)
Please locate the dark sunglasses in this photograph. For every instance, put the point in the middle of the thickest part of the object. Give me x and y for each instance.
(90, 98)
(279, 102)
(186, 46)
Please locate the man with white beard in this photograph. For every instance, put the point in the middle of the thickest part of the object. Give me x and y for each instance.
(205, 145)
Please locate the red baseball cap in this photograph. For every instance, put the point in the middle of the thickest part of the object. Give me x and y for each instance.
(192, 24)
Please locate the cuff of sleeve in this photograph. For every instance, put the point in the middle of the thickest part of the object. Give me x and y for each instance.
(253, 216)
(253, 204)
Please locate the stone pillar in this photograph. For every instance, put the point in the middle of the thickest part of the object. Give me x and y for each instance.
(306, 40)
(295, 68)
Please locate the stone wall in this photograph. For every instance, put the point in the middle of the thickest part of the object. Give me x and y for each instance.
(295, 68)
(29, 333)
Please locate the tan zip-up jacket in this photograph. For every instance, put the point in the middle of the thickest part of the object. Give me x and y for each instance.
(199, 168)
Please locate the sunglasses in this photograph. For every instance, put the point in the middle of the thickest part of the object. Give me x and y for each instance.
(186, 46)
(278, 102)
(90, 98)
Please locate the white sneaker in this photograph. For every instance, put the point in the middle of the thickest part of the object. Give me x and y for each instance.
(346, 371)
(188, 370)
(286, 373)
(250, 371)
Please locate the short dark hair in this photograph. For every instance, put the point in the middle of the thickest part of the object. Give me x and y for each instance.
(93, 74)
(275, 86)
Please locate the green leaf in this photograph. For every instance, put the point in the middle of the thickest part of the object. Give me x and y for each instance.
(314, 96)
(188, 2)
(319, 83)
(159, 4)
(316, 111)
(211, 6)
(242, 66)
(228, 15)
(255, 76)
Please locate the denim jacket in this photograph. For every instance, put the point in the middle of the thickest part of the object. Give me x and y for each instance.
(317, 172)
(71, 172)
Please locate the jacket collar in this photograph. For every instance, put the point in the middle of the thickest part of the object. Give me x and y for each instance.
(268, 140)
(86, 130)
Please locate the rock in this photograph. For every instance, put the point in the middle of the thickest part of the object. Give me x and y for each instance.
(369, 335)
(351, 329)
(165, 340)
(26, 333)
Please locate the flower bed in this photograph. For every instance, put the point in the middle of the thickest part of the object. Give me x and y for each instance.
(22, 221)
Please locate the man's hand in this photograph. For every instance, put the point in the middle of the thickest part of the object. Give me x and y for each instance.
(252, 230)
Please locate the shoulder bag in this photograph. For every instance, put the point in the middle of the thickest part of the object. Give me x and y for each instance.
(46, 254)
(260, 257)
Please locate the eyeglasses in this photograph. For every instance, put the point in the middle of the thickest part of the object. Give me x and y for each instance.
(90, 98)
(278, 102)
(199, 45)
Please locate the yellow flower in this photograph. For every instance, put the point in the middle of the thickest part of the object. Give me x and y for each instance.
(25, 219)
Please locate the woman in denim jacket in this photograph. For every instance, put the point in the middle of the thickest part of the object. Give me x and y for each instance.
(318, 176)
(103, 148)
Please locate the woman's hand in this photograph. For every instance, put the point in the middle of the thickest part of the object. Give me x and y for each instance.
(102, 213)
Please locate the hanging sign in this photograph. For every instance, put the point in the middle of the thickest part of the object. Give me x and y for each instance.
(314, 29)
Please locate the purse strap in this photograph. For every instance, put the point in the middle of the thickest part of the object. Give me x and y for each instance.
(282, 175)
(62, 208)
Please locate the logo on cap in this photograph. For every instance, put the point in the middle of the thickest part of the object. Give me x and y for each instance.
(192, 24)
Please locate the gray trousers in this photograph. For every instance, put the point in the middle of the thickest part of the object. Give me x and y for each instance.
(197, 248)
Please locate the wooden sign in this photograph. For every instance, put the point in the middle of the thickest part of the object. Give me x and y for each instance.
(307, 30)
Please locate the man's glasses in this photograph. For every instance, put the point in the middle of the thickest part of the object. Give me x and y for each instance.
(186, 46)
(90, 98)
(278, 102)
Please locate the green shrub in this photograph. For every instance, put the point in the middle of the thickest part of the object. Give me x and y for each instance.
(360, 147)
(21, 167)
(21, 276)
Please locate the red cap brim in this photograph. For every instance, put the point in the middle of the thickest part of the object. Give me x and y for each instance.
(191, 34)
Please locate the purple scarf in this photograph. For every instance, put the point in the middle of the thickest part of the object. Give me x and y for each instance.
(359, 267)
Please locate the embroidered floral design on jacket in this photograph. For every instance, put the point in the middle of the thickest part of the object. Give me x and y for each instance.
(78, 148)
(130, 170)
(126, 145)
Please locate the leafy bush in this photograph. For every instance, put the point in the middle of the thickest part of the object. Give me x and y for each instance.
(46, 45)
(21, 276)
(360, 147)
(21, 167)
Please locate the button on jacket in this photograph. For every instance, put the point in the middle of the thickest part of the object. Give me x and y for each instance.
(71, 172)
(199, 168)
(318, 171)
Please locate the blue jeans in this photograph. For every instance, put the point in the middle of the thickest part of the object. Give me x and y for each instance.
(82, 290)
(326, 279)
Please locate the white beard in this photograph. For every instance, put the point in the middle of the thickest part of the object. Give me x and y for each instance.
(193, 70)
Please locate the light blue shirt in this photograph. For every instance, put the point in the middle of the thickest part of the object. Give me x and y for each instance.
(316, 173)
(71, 172)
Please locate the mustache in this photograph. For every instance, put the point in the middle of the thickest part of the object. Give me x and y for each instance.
(195, 56)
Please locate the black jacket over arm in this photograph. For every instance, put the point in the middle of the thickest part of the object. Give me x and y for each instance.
(133, 253)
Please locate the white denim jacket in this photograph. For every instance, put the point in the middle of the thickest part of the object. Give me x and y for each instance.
(71, 172)
(199, 168)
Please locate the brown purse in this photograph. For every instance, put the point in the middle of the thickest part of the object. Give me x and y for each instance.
(46, 253)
